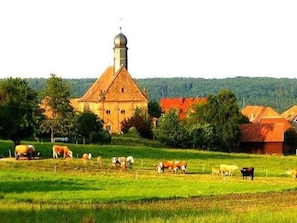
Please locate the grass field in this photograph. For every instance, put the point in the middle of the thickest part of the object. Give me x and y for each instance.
(58, 190)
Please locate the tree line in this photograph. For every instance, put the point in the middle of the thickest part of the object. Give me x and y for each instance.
(278, 93)
(213, 125)
(27, 113)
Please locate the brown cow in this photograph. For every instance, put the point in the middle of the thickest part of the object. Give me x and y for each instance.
(87, 156)
(61, 150)
(25, 150)
(173, 165)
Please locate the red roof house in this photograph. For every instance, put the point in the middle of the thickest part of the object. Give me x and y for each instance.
(181, 104)
(265, 132)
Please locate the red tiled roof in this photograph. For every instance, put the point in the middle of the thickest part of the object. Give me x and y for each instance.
(182, 104)
(266, 132)
(287, 125)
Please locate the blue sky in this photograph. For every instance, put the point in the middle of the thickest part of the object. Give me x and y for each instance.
(168, 38)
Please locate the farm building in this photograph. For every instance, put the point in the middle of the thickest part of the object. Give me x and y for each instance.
(265, 132)
(183, 105)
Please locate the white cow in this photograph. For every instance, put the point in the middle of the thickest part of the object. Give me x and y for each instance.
(227, 169)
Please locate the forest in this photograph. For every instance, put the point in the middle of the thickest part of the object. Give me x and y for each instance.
(278, 93)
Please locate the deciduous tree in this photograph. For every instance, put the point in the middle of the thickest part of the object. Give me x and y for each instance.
(19, 110)
(56, 100)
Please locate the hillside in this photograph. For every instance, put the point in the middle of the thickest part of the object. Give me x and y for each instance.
(278, 93)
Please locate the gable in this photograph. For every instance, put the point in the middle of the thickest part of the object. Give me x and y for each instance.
(256, 113)
(124, 88)
(97, 91)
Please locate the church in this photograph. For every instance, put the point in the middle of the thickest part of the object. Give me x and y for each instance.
(114, 96)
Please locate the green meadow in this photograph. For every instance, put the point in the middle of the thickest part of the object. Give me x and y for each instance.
(71, 190)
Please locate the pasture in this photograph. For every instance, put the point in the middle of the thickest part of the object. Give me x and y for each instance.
(73, 190)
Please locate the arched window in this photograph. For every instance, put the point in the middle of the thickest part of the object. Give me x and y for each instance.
(107, 111)
(123, 111)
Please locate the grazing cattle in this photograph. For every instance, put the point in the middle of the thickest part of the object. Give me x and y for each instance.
(228, 169)
(215, 170)
(123, 162)
(247, 172)
(119, 162)
(99, 161)
(129, 162)
(87, 156)
(292, 172)
(173, 165)
(26, 151)
(61, 150)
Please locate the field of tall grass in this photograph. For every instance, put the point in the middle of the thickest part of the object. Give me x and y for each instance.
(71, 190)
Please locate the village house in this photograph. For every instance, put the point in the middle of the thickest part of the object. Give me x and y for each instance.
(181, 104)
(265, 132)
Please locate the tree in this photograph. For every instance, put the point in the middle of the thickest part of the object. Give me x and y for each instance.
(19, 110)
(290, 139)
(89, 125)
(141, 121)
(223, 114)
(171, 131)
(154, 109)
(56, 100)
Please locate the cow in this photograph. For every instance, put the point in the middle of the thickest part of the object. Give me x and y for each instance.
(62, 150)
(87, 156)
(247, 171)
(173, 165)
(228, 169)
(180, 165)
(129, 162)
(119, 162)
(123, 162)
(99, 161)
(292, 172)
(216, 171)
(25, 150)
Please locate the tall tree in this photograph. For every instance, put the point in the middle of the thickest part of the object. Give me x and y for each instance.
(19, 110)
(171, 130)
(60, 114)
(154, 109)
(88, 124)
(223, 114)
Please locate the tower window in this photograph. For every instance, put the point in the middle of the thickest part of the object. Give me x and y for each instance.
(108, 111)
(123, 111)
(123, 90)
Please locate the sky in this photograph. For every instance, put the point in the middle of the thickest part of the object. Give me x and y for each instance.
(166, 38)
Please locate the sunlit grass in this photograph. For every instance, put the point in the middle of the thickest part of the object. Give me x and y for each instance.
(58, 190)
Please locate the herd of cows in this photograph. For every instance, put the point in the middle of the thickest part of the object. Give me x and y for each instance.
(124, 163)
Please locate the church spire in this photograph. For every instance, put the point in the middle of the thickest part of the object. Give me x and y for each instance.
(120, 51)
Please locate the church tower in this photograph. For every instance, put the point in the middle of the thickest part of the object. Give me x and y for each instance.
(120, 52)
